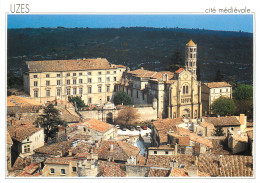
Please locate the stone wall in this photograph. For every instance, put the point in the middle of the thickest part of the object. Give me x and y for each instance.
(137, 171)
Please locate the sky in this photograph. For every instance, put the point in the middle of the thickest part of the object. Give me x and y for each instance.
(211, 22)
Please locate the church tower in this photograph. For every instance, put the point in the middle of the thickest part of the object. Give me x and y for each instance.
(191, 57)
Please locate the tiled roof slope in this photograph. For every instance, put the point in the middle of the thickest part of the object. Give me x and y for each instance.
(69, 115)
(70, 65)
(20, 133)
(232, 165)
(217, 84)
(223, 121)
(151, 74)
(95, 125)
(14, 100)
(111, 169)
(159, 172)
(117, 150)
(164, 125)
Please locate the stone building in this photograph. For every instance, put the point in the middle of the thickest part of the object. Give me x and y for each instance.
(91, 79)
(175, 94)
(212, 91)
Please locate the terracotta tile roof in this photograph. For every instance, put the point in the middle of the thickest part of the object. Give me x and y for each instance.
(20, 163)
(69, 115)
(82, 147)
(185, 141)
(162, 147)
(60, 160)
(111, 169)
(178, 172)
(159, 172)
(232, 165)
(205, 124)
(223, 121)
(55, 148)
(190, 43)
(70, 65)
(29, 170)
(217, 84)
(14, 100)
(164, 160)
(8, 139)
(142, 160)
(239, 137)
(179, 70)
(201, 140)
(165, 125)
(21, 132)
(95, 125)
(117, 150)
(151, 74)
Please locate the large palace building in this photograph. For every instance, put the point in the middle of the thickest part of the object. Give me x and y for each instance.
(91, 79)
(174, 94)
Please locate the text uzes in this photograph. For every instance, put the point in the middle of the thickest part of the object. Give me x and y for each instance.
(19, 8)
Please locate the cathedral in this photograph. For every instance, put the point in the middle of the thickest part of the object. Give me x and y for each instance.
(173, 94)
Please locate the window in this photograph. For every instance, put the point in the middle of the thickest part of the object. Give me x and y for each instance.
(166, 152)
(136, 94)
(47, 75)
(220, 90)
(89, 80)
(68, 74)
(89, 89)
(143, 95)
(74, 91)
(108, 79)
(114, 78)
(74, 81)
(62, 171)
(81, 91)
(194, 49)
(27, 148)
(58, 92)
(108, 72)
(35, 83)
(68, 91)
(185, 89)
(58, 82)
(99, 73)
(36, 94)
(190, 55)
(58, 75)
(114, 72)
(80, 74)
(35, 76)
(68, 82)
(227, 90)
(52, 170)
(74, 74)
(99, 80)
(99, 89)
(108, 98)
(190, 49)
(74, 169)
(47, 93)
(80, 81)
(108, 88)
(89, 73)
(89, 100)
(155, 152)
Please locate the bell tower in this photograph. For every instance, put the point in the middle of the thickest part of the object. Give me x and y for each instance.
(191, 57)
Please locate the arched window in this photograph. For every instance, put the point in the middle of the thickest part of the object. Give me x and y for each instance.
(185, 89)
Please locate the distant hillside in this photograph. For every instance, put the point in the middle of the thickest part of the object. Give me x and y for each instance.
(152, 48)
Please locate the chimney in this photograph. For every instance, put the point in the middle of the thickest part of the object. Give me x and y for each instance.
(70, 152)
(242, 119)
(176, 149)
(111, 148)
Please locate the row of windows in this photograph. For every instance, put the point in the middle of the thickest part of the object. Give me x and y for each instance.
(62, 171)
(166, 152)
(74, 74)
(35, 83)
(191, 49)
(221, 90)
(186, 100)
(74, 91)
(185, 89)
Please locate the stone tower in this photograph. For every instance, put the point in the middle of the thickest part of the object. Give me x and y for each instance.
(191, 57)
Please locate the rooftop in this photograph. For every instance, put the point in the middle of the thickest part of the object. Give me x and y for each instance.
(223, 121)
(14, 100)
(70, 65)
(159, 172)
(95, 125)
(217, 84)
(152, 74)
(22, 132)
(190, 43)
(111, 169)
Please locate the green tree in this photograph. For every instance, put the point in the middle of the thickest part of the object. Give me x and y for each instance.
(218, 131)
(122, 98)
(243, 92)
(80, 103)
(50, 121)
(223, 106)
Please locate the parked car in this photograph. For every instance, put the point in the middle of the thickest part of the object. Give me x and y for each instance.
(124, 129)
(144, 127)
(132, 128)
